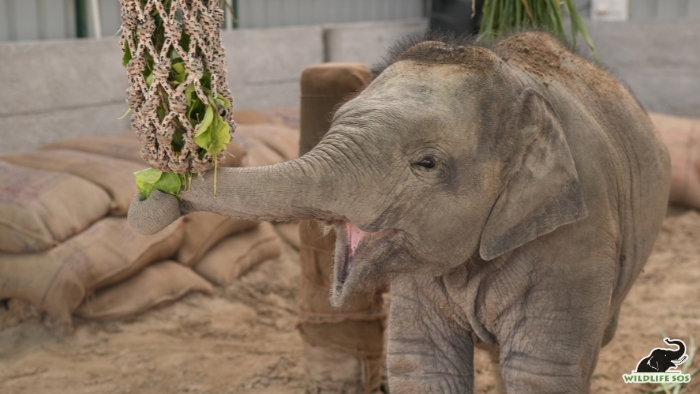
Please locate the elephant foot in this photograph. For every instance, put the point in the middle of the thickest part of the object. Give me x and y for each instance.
(330, 371)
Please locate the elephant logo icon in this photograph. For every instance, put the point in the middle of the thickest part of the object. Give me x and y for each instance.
(661, 360)
(660, 365)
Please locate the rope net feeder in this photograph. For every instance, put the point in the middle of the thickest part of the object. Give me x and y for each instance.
(178, 90)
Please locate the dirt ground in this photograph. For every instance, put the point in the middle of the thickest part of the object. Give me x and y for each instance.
(243, 339)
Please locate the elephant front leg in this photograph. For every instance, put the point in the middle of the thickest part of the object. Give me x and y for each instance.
(428, 351)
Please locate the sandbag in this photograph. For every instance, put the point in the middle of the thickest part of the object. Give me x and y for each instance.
(281, 139)
(280, 116)
(203, 230)
(235, 255)
(156, 284)
(107, 252)
(118, 147)
(234, 155)
(290, 233)
(682, 138)
(257, 153)
(39, 209)
(115, 176)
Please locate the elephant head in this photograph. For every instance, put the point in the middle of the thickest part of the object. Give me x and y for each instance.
(660, 360)
(433, 163)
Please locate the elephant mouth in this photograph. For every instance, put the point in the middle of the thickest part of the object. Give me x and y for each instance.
(355, 252)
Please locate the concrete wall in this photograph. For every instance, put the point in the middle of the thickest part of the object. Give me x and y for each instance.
(264, 65)
(659, 60)
(55, 90)
(366, 42)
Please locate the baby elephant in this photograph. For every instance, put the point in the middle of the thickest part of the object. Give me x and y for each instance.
(512, 192)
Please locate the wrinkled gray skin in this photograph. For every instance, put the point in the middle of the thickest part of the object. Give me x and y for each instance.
(542, 206)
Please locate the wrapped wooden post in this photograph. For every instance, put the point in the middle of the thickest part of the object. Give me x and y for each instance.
(342, 347)
(177, 87)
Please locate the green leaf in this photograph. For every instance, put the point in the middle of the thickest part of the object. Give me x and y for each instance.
(215, 139)
(220, 137)
(179, 68)
(188, 94)
(227, 103)
(206, 122)
(169, 183)
(149, 179)
(180, 72)
(127, 53)
(146, 179)
(149, 79)
(178, 141)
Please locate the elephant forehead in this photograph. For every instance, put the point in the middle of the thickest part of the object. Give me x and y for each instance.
(410, 78)
(407, 90)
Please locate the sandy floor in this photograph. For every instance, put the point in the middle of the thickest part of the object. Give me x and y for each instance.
(243, 339)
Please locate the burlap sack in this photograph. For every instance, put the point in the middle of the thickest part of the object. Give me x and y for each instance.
(106, 253)
(682, 138)
(118, 147)
(203, 230)
(43, 281)
(257, 152)
(156, 284)
(235, 255)
(39, 209)
(234, 155)
(280, 116)
(290, 233)
(281, 139)
(250, 117)
(115, 176)
(111, 251)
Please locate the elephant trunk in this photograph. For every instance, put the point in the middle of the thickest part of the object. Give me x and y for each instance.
(287, 191)
(304, 188)
(681, 348)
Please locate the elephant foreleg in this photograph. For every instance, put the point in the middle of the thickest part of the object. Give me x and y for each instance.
(428, 351)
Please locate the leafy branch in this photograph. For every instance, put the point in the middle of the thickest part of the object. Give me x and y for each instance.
(502, 16)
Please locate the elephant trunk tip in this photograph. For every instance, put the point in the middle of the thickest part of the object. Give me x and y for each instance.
(150, 216)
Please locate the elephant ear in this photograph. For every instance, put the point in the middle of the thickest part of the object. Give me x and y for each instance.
(542, 191)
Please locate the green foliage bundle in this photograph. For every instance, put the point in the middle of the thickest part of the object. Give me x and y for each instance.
(507, 15)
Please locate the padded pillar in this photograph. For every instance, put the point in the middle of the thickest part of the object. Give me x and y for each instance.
(343, 346)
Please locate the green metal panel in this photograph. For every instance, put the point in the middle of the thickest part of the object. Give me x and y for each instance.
(81, 24)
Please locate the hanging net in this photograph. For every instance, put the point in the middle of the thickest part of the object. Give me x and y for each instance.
(177, 82)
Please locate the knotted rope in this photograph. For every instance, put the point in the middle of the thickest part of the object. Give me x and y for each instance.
(177, 69)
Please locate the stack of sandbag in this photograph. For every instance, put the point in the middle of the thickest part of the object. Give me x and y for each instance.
(682, 138)
(231, 255)
(66, 246)
(63, 234)
(108, 252)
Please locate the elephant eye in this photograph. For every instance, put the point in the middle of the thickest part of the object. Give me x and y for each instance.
(426, 162)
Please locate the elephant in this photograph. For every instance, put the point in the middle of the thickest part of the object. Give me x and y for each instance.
(660, 360)
(509, 192)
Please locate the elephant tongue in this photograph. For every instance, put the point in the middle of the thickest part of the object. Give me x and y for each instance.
(355, 235)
